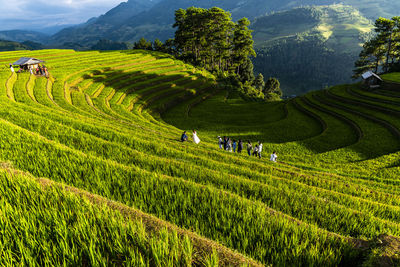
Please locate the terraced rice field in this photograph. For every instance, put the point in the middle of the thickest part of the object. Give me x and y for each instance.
(94, 174)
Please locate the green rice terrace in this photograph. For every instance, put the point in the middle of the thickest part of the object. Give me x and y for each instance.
(93, 173)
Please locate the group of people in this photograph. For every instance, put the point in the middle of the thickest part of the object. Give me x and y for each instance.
(39, 70)
(231, 145)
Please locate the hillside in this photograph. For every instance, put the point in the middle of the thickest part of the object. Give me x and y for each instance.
(22, 36)
(153, 19)
(310, 48)
(13, 46)
(107, 125)
(95, 29)
(76, 227)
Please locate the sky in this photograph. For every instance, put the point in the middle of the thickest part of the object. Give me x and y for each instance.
(31, 14)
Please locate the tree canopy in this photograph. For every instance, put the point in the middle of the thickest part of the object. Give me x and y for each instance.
(272, 89)
(383, 51)
(143, 44)
(210, 39)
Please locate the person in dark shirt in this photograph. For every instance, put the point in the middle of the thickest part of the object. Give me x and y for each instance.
(184, 137)
(240, 146)
(255, 151)
(225, 142)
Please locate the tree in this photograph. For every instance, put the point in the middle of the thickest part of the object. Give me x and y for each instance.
(272, 86)
(109, 45)
(242, 43)
(218, 34)
(143, 44)
(158, 45)
(259, 83)
(382, 51)
(247, 71)
(385, 29)
(370, 58)
(210, 39)
(169, 46)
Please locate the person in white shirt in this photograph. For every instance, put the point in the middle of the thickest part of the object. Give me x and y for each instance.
(11, 68)
(220, 142)
(273, 157)
(260, 147)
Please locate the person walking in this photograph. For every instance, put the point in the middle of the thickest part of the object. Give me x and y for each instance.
(255, 151)
(229, 146)
(260, 148)
(234, 146)
(45, 71)
(12, 68)
(220, 142)
(273, 157)
(196, 139)
(225, 142)
(249, 147)
(240, 146)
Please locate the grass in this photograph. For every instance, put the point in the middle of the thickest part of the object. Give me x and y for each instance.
(392, 77)
(72, 230)
(108, 124)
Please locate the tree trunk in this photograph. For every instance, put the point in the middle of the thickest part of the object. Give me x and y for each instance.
(388, 52)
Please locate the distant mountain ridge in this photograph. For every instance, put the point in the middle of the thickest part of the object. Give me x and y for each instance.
(22, 36)
(153, 19)
(14, 46)
(98, 28)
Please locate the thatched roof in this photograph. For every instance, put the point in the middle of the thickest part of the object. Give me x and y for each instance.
(27, 61)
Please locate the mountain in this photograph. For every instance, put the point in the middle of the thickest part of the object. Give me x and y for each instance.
(375, 9)
(98, 28)
(156, 22)
(153, 19)
(21, 36)
(51, 30)
(310, 48)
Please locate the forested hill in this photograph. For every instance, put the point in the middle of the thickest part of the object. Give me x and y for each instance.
(14, 46)
(310, 48)
(22, 36)
(153, 19)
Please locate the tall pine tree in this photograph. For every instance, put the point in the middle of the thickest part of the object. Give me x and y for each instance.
(209, 38)
(242, 44)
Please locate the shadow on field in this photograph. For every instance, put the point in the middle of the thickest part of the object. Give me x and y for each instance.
(152, 84)
(239, 119)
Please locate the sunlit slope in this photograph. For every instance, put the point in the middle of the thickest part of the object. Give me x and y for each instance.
(109, 123)
(48, 224)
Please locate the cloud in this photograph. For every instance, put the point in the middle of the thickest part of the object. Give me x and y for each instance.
(24, 14)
